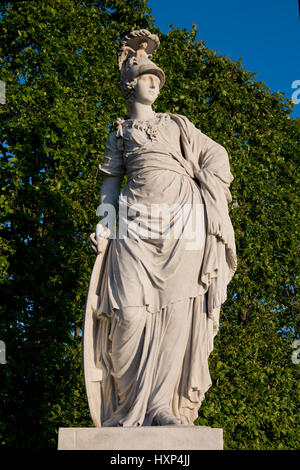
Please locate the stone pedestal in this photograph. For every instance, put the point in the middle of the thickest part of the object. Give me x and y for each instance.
(141, 438)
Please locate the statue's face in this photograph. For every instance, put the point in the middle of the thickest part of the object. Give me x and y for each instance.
(147, 89)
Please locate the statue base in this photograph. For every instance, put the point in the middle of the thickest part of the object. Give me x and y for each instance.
(141, 438)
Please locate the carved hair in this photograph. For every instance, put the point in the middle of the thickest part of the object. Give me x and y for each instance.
(128, 90)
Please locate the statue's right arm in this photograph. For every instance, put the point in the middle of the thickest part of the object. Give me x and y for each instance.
(109, 196)
(112, 170)
(110, 190)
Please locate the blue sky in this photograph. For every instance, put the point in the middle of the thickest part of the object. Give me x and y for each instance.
(264, 33)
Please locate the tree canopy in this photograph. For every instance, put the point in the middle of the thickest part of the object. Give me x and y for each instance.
(58, 61)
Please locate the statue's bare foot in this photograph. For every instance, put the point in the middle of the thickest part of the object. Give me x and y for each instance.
(165, 418)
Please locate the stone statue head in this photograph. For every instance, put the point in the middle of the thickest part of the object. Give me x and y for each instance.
(134, 59)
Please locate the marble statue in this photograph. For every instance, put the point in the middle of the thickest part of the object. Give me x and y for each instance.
(161, 274)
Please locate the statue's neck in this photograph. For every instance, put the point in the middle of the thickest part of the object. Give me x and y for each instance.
(141, 112)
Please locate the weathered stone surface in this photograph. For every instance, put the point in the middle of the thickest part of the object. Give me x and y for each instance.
(154, 299)
(141, 438)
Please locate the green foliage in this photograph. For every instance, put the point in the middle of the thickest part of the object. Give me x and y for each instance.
(58, 59)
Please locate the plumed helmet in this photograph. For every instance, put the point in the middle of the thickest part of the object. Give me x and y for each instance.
(134, 58)
(137, 66)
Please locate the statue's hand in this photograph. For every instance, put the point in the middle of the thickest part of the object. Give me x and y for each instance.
(98, 239)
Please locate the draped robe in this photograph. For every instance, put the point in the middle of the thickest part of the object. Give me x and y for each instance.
(167, 286)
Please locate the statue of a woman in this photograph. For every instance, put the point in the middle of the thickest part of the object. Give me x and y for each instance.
(165, 271)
